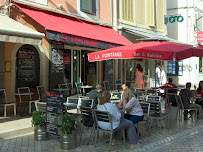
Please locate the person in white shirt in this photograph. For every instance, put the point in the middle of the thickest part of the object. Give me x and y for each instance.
(158, 74)
(163, 75)
(118, 122)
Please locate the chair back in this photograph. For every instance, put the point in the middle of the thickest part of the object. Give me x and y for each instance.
(145, 107)
(24, 90)
(72, 100)
(153, 98)
(78, 85)
(170, 98)
(103, 116)
(69, 86)
(62, 86)
(150, 91)
(87, 116)
(41, 92)
(106, 85)
(86, 102)
(119, 94)
(179, 102)
(2, 96)
(40, 106)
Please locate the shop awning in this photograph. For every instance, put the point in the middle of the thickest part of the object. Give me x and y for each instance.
(151, 34)
(58, 26)
(13, 31)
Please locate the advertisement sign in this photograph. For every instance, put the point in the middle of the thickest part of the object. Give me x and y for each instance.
(200, 37)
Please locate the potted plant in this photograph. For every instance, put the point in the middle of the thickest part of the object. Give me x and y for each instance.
(68, 135)
(38, 121)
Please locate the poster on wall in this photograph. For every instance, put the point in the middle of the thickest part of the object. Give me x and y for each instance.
(57, 57)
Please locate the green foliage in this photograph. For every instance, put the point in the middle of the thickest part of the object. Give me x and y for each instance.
(68, 124)
(38, 119)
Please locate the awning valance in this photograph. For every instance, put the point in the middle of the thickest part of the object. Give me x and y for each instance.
(71, 30)
(13, 31)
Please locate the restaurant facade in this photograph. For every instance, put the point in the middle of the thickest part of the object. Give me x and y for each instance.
(62, 55)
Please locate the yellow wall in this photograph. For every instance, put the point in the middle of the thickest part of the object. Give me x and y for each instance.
(140, 12)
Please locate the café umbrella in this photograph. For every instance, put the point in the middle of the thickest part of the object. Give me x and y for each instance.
(148, 50)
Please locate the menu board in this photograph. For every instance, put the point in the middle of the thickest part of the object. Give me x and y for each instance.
(54, 112)
(175, 68)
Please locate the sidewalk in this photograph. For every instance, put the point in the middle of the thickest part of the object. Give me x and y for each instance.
(185, 136)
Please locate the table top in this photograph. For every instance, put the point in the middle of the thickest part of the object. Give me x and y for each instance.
(87, 86)
(62, 89)
(24, 94)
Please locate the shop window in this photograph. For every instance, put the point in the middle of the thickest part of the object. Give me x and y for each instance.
(28, 69)
(67, 65)
(88, 6)
(200, 65)
(43, 2)
(128, 10)
(150, 13)
(175, 68)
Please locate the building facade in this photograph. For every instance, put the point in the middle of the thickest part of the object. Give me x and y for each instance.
(186, 31)
(137, 19)
(72, 29)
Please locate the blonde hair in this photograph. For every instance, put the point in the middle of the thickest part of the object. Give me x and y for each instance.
(104, 98)
(163, 67)
(128, 94)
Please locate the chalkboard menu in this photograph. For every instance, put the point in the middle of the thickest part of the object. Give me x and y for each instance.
(54, 112)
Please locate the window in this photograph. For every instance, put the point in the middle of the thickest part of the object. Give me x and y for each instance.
(150, 13)
(43, 2)
(128, 10)
(200, 65)
(175, 68)
(88, 6)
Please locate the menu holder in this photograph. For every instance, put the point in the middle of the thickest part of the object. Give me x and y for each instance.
(54, 112)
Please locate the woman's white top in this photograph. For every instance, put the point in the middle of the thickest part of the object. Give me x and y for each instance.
(163, 75)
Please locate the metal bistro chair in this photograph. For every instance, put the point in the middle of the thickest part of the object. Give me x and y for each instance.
(104, 116)
(65, 86)
(181, 109)
(146, 110)
(41, 106)
(78, 85)
(26, 90)
(4, 103)
(41, 93)
(118, 83)
(106, 85)
(87, 120)
(155, 109)
(170, 98)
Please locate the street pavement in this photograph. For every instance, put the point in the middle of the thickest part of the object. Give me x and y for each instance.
(183, 136)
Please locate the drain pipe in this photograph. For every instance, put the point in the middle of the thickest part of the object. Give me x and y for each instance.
(111, 7)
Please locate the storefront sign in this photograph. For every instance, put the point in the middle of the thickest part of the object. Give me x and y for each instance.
(200, 37)
(71, 39)
(172, 19)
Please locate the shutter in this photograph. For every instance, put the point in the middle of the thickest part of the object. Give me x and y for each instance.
(128, 10)
(150, 13)
(88, 6)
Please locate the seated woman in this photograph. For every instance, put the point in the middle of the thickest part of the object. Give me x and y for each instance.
(118, 123)
(132, 107)
(199, 92)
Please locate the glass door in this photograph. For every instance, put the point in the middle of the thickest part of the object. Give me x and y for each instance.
(76, 66)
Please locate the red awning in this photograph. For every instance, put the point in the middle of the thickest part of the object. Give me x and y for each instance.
(148, 50)
(76, 27)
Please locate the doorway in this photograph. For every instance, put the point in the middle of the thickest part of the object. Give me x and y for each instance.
(88, 70)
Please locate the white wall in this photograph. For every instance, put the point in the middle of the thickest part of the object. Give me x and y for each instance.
(184, 32)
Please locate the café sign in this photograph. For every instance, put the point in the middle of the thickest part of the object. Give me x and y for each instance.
(77, 40)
